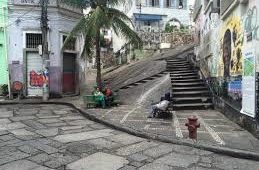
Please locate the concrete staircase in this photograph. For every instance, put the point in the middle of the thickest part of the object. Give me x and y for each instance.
(189, 91)
(145, 80)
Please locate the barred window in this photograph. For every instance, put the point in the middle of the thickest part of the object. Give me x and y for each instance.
(33, 40)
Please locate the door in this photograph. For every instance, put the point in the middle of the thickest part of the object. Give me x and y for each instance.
(35, 78)
(69, 73)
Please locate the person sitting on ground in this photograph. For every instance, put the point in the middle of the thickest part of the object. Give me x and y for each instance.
(99, 97)
(108, 96)
(162, 105)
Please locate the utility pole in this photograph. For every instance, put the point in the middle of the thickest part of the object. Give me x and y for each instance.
(140, 9)
(45, 51)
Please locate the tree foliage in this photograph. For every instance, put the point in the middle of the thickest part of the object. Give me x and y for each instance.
(103, 15)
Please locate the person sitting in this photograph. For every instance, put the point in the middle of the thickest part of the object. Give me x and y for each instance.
(162, 105)
(108, 96)
(99, 97)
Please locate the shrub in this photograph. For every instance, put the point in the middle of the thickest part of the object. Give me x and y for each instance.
(4, 89)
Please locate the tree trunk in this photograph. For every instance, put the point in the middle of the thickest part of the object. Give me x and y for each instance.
(98, 60)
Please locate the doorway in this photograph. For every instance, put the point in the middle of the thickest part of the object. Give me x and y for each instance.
(69, 73)
(35, 79)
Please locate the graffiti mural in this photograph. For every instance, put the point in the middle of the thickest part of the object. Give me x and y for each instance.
(231, 47)
(214, 68)
(250, 24)
(37, 79)
(235, 89)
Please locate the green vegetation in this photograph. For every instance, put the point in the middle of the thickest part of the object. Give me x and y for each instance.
(173, 28)
(4, 89)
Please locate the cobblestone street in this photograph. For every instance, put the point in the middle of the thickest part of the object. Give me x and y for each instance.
(44, 137)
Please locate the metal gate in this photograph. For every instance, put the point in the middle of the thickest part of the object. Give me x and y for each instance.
(35, 78)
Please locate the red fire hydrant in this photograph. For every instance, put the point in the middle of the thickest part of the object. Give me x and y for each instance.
(192, 125)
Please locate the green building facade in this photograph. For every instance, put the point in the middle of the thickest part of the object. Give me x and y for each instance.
(3, 42)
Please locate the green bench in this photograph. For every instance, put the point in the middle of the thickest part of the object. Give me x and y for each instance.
(89, 100)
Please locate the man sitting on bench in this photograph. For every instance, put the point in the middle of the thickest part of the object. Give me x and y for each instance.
(161, 106)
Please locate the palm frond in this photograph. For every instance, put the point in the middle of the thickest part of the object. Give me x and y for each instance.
(127, 32)
(75, 31)
(116, 2)
(115, 12)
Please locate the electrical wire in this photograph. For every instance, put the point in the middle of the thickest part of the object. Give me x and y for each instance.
(20, 16)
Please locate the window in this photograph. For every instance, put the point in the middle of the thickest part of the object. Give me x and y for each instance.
(71, 45)
(147, 23)
(180, 4)
(168, 3)
(218, 3)
(33, 40)
(154, 3)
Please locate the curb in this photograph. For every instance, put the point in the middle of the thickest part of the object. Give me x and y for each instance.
(236, 153)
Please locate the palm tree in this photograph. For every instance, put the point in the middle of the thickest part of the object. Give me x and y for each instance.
(102, 15)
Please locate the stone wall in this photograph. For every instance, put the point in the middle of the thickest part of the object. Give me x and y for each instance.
(154, 39)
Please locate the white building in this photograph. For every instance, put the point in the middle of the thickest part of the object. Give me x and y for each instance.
(152, 15)
(25, 62)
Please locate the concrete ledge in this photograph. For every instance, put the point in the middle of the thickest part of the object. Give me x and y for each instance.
(236, 153)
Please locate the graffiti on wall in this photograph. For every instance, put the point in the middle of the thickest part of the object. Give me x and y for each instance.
(250, 24)
(215, 47)
(235, 89)
(37, 79)
(232, 39)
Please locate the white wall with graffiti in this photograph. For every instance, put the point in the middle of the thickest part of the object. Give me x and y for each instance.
(232, 41)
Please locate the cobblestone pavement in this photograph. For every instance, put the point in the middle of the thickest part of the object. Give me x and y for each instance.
(45, 137)
(215, 129)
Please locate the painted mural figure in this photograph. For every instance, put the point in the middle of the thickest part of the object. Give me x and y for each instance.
(227, 53)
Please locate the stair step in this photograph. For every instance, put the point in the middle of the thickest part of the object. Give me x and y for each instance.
(186, 80)
(192, 106)
(178, 65)
(176, 59)
(183, 74)
(184, 77)
(183, 71)
(172, 67)
(143, 81)
(182, 100)
(157, 75)
(190, 88)
(191, 84)
(177, 69)
(177, 62)
(150, 78)
(191, 92)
